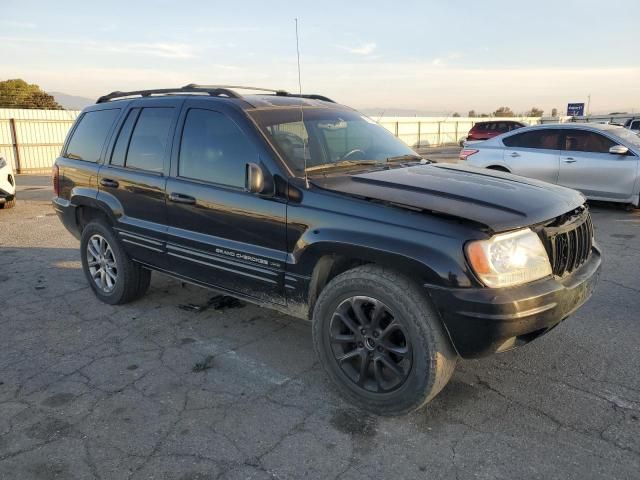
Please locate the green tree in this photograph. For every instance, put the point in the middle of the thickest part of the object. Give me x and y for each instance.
(554, 112)
(503, 112)
(471, 114)
(534, 112)
(455, 114)
(17, 93)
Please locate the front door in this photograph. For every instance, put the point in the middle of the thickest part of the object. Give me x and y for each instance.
(587, 165)
(220, 234)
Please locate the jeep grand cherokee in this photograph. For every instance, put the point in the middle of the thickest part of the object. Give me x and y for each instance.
(300, 204)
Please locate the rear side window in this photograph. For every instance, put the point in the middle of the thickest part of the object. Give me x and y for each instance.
(89, 136)
(214, 149)
(120, 149)
(150, 139)
(585, 141)
(542, 139)
(635, 125)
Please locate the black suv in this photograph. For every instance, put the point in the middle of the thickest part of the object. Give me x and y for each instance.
(300, 204)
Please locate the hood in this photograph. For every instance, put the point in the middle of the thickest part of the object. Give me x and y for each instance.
(498, 200)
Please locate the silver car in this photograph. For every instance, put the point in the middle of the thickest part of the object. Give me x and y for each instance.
(602, 161)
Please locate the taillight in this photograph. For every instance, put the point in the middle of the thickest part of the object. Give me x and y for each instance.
(55, 179)
(466, 153)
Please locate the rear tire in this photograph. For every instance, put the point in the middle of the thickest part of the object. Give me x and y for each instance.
(390, 373)
(9, 203)
(112, 275)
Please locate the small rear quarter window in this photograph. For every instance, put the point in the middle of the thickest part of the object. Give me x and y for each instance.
(90, 134)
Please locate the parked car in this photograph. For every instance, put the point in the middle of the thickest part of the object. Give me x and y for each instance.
(486, 130)
(599, 160)
(7, 185)
(633, 124)
(302, 205)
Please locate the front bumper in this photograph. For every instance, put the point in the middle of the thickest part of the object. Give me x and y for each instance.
(482, 321)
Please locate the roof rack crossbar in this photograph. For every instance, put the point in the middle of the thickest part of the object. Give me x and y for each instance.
(241, 87)
(214, 92)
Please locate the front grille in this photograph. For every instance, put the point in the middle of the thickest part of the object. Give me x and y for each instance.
(569, 241)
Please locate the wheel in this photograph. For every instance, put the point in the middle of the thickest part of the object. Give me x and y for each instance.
(380, 341)
(9, 203)
(112, 275)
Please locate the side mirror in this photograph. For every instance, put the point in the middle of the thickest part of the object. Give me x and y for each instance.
(619, 150)
(257, 181)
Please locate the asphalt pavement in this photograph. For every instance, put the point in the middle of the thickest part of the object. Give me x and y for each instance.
(160, 389)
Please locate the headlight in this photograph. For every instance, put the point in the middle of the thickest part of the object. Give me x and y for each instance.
(3, 162)
(509, 259)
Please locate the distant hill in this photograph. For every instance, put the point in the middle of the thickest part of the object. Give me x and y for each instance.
(72, 102)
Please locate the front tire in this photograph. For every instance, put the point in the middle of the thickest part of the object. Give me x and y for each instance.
(112, 275)
(381, 342)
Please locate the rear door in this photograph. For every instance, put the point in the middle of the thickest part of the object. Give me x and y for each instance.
(587, 165)
(133, 178)
(534, 154)
(220, 234)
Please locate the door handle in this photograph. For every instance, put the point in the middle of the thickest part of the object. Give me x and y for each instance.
(107, 182)
(514, 154)
(569, 160)
(180, 198)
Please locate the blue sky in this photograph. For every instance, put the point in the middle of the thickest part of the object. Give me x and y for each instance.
(429, 56)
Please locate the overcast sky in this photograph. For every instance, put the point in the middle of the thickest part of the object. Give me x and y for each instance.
(430, 56)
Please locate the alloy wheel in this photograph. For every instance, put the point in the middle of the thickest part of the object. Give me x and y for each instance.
(102, 263)
(370, 345)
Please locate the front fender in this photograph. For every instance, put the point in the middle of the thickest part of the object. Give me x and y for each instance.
(427, 258)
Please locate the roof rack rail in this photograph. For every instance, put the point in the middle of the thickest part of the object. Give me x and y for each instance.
(214, 92)
(279, 92)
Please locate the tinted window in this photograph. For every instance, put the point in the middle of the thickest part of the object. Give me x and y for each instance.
(635, 125)
(120, 149)
(585, 141)
(149, 140)
(90, 134)
(544, 139)
(214, 149)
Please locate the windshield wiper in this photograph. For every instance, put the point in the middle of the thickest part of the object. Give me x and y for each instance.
(406, 158)
(342, 163)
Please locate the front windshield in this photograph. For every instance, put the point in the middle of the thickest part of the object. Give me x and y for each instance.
(328, 137)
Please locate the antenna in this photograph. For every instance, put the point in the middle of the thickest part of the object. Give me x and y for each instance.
(304, 145)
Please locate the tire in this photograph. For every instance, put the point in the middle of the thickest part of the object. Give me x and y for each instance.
(428, 360)
(127, 281)
(9, 203)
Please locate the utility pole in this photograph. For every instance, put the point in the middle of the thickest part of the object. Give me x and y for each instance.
(588, 104)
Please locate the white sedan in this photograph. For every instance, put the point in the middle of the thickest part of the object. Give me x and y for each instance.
(601, 161)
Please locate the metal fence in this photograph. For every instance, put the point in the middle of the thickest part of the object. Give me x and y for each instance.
(31, 140)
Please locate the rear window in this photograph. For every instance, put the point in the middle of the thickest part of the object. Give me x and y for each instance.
(90, 134)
